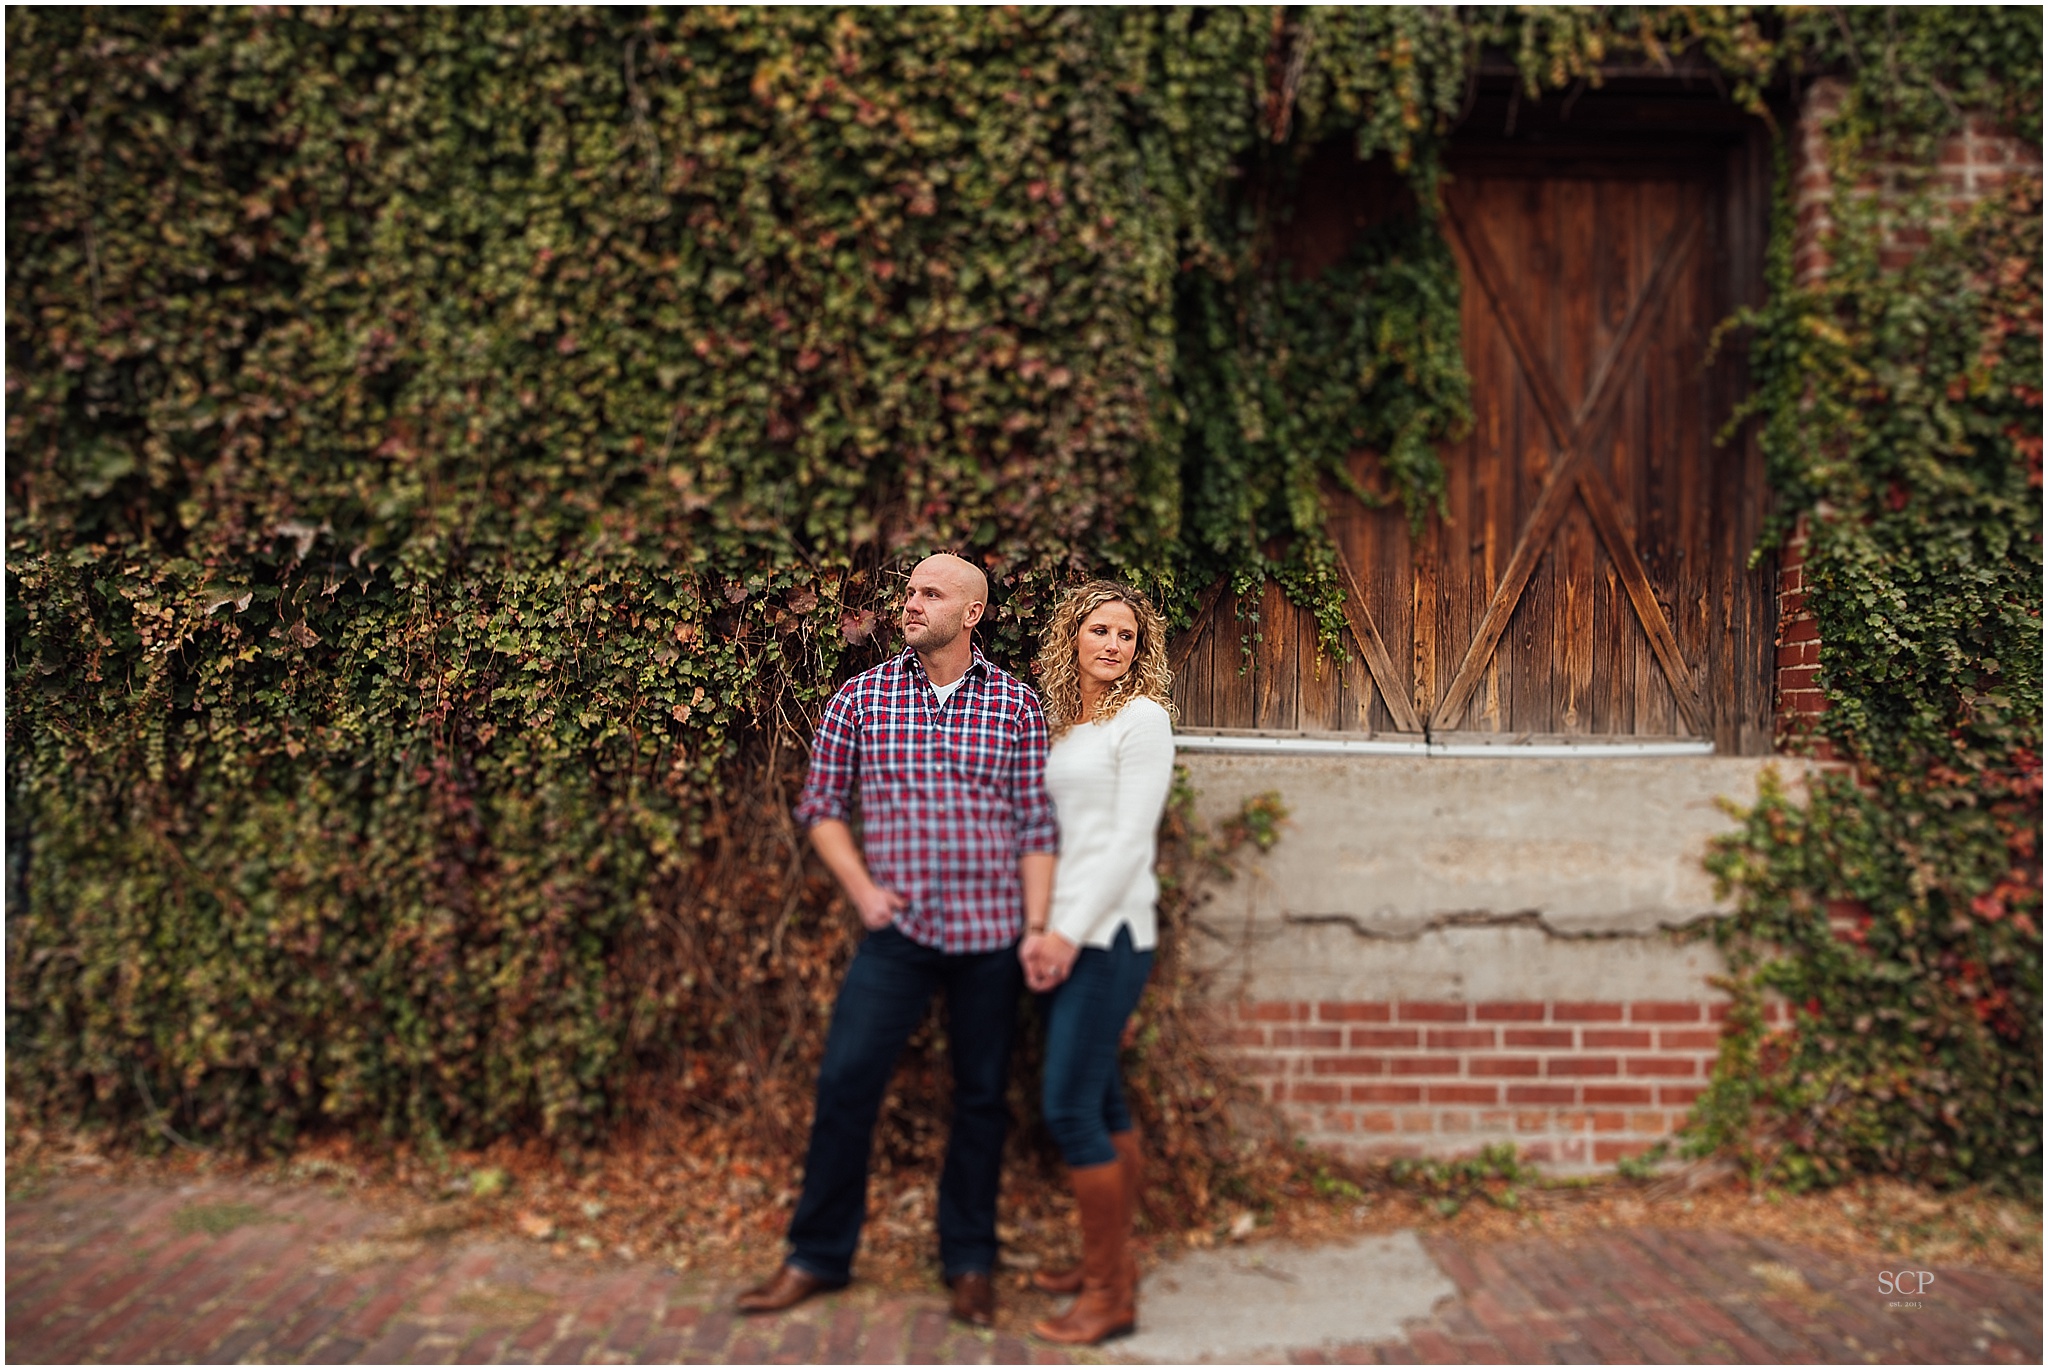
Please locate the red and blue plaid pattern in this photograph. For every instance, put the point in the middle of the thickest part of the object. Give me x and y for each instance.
(949, 798)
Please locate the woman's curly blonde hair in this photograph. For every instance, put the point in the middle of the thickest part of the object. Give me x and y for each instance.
(1058, 666)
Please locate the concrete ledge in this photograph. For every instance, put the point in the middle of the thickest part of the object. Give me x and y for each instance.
(1399, 844)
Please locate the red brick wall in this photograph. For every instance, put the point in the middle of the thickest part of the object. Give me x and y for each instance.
(1800, 700)
(1979, 161)
(1572, 1084)
(1812, 190)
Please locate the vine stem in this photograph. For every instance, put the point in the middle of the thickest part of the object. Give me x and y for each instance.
(158, 1121)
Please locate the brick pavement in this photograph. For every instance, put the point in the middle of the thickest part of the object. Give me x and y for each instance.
(128, 1272)
(1669, 1295)
(219, 1271)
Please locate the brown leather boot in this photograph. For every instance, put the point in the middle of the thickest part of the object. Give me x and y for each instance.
(1131, 1153)
(1107, 1305)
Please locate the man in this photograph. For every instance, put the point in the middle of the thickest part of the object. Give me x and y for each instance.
(958, 837)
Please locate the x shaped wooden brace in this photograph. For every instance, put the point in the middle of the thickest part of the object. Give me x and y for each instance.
(1574, 432)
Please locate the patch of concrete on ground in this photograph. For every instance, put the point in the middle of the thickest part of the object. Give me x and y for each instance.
(1250, 1303)
(1396, 845)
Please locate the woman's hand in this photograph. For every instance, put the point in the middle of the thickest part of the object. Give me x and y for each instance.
(1038, 977)
(1048, 959)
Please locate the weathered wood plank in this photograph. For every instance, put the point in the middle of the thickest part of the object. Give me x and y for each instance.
(1192, 658)
(1497, 495)
(1600, 502)
(1318, 677)
(1178, 652)
(1358, 699)
(1613, 662)
(1232, 672)
(1277, 647)
(1577, 362)
(1485, 270)
(1422, 601)
(1373, 647)
(1576, 623)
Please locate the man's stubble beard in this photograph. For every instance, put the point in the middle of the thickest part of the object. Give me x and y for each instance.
(931, 641)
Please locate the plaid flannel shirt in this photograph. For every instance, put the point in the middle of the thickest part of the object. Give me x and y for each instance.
(949, 798)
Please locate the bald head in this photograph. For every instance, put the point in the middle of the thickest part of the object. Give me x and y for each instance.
(943, 601)
(962, 572)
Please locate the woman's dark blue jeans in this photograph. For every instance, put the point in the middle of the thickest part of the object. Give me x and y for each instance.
(881, 1002)
(1084, 1028)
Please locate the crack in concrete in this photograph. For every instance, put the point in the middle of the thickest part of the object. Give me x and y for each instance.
(1485, 918)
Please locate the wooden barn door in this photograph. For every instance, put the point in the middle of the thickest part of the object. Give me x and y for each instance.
(1589, 582)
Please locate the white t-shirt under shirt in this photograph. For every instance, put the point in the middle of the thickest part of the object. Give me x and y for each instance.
(945, 692)
(1109, 782)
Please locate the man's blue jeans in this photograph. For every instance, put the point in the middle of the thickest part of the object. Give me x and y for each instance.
(1084, 1026)
(881, 1002)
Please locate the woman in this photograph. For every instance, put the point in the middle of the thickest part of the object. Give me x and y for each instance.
(1103, 678)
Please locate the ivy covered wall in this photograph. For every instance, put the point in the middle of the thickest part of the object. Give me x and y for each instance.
(1898, 911)
(451, 454)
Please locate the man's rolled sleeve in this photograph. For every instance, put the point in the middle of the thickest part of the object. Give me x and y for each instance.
(1038, 828)
(835, 757)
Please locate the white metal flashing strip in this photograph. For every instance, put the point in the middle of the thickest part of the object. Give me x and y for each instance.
(1295, 746)
(1324, 746)
(1590, 750)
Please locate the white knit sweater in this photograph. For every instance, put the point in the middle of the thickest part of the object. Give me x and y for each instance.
(1108, 782)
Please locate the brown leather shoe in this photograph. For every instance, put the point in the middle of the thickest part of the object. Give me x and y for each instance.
(787, 1288)
(974, 1298)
